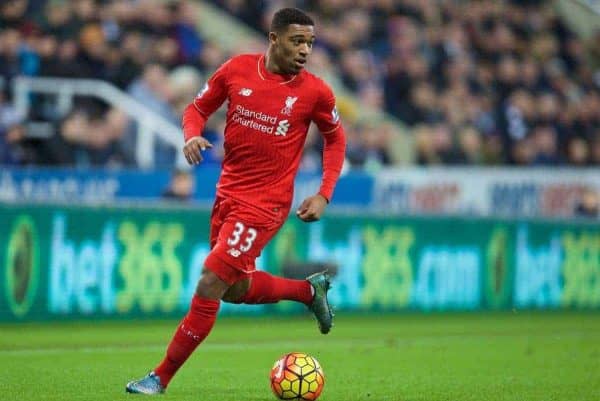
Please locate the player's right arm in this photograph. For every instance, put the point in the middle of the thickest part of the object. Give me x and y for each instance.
(210, 98)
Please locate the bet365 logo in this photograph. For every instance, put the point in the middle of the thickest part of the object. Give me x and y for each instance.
(22, 266)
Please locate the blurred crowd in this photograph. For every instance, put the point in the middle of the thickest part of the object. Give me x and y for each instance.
(149, 48)
(478, 82)
(475, 82)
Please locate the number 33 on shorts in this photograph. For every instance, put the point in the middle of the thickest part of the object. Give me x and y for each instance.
(242, 237)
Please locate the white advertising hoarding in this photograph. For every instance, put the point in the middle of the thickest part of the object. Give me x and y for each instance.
(483, 191)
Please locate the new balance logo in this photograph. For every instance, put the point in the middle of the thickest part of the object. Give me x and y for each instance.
(283, 127)
(234, 252)
(245, 92)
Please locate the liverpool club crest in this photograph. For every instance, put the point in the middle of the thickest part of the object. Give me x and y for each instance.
(289, 104)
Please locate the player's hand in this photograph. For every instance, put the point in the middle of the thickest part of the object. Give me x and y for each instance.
(312, 208)
(193, 147)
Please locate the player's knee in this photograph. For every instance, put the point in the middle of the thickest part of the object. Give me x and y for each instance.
(236, 292)
(211, 286)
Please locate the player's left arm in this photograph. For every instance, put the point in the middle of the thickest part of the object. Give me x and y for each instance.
(326, 117)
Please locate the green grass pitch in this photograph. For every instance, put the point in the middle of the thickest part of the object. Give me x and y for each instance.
(405, 357)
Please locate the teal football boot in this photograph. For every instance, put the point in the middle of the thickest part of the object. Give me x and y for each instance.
(149, 384)
(319, 305)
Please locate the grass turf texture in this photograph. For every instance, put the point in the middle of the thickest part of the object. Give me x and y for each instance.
(516, 356)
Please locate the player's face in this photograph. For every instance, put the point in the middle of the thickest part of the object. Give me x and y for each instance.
(293, 46)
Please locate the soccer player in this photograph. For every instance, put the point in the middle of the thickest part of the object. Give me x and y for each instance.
(271, 103)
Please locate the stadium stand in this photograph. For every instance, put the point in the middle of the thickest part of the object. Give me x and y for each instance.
(483, 82)
(477, 82)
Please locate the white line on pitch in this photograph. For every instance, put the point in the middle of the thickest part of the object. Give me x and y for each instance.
(210, 347)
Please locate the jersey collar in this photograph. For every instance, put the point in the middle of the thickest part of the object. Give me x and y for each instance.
(266, 75)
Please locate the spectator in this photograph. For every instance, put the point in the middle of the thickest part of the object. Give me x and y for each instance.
(545, 140)
(470, 145)
(181, 186)
(588, 205)
(12, 133)
(184, 83)
(85, 138)
(595, 149)
(578, 153)
(152, 89)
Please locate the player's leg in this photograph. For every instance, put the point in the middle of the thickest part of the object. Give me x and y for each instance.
(265, 288)
(192, 330)
(216, 278)
(195, 326)
(319, 305)
(237, 291)
(262, 287)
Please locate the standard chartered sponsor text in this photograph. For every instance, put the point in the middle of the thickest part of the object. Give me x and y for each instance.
(248, 118)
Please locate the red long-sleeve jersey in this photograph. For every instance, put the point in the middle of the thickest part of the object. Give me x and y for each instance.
(268, 116)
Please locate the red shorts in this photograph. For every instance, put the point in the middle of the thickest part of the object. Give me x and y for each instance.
(238, 234)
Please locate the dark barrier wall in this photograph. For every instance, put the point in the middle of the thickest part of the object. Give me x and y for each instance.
(64, 262)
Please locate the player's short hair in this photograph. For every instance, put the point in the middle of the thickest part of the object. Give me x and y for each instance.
(288, 16)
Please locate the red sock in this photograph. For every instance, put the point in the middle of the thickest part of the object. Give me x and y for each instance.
(193, 329)
(267, 289)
